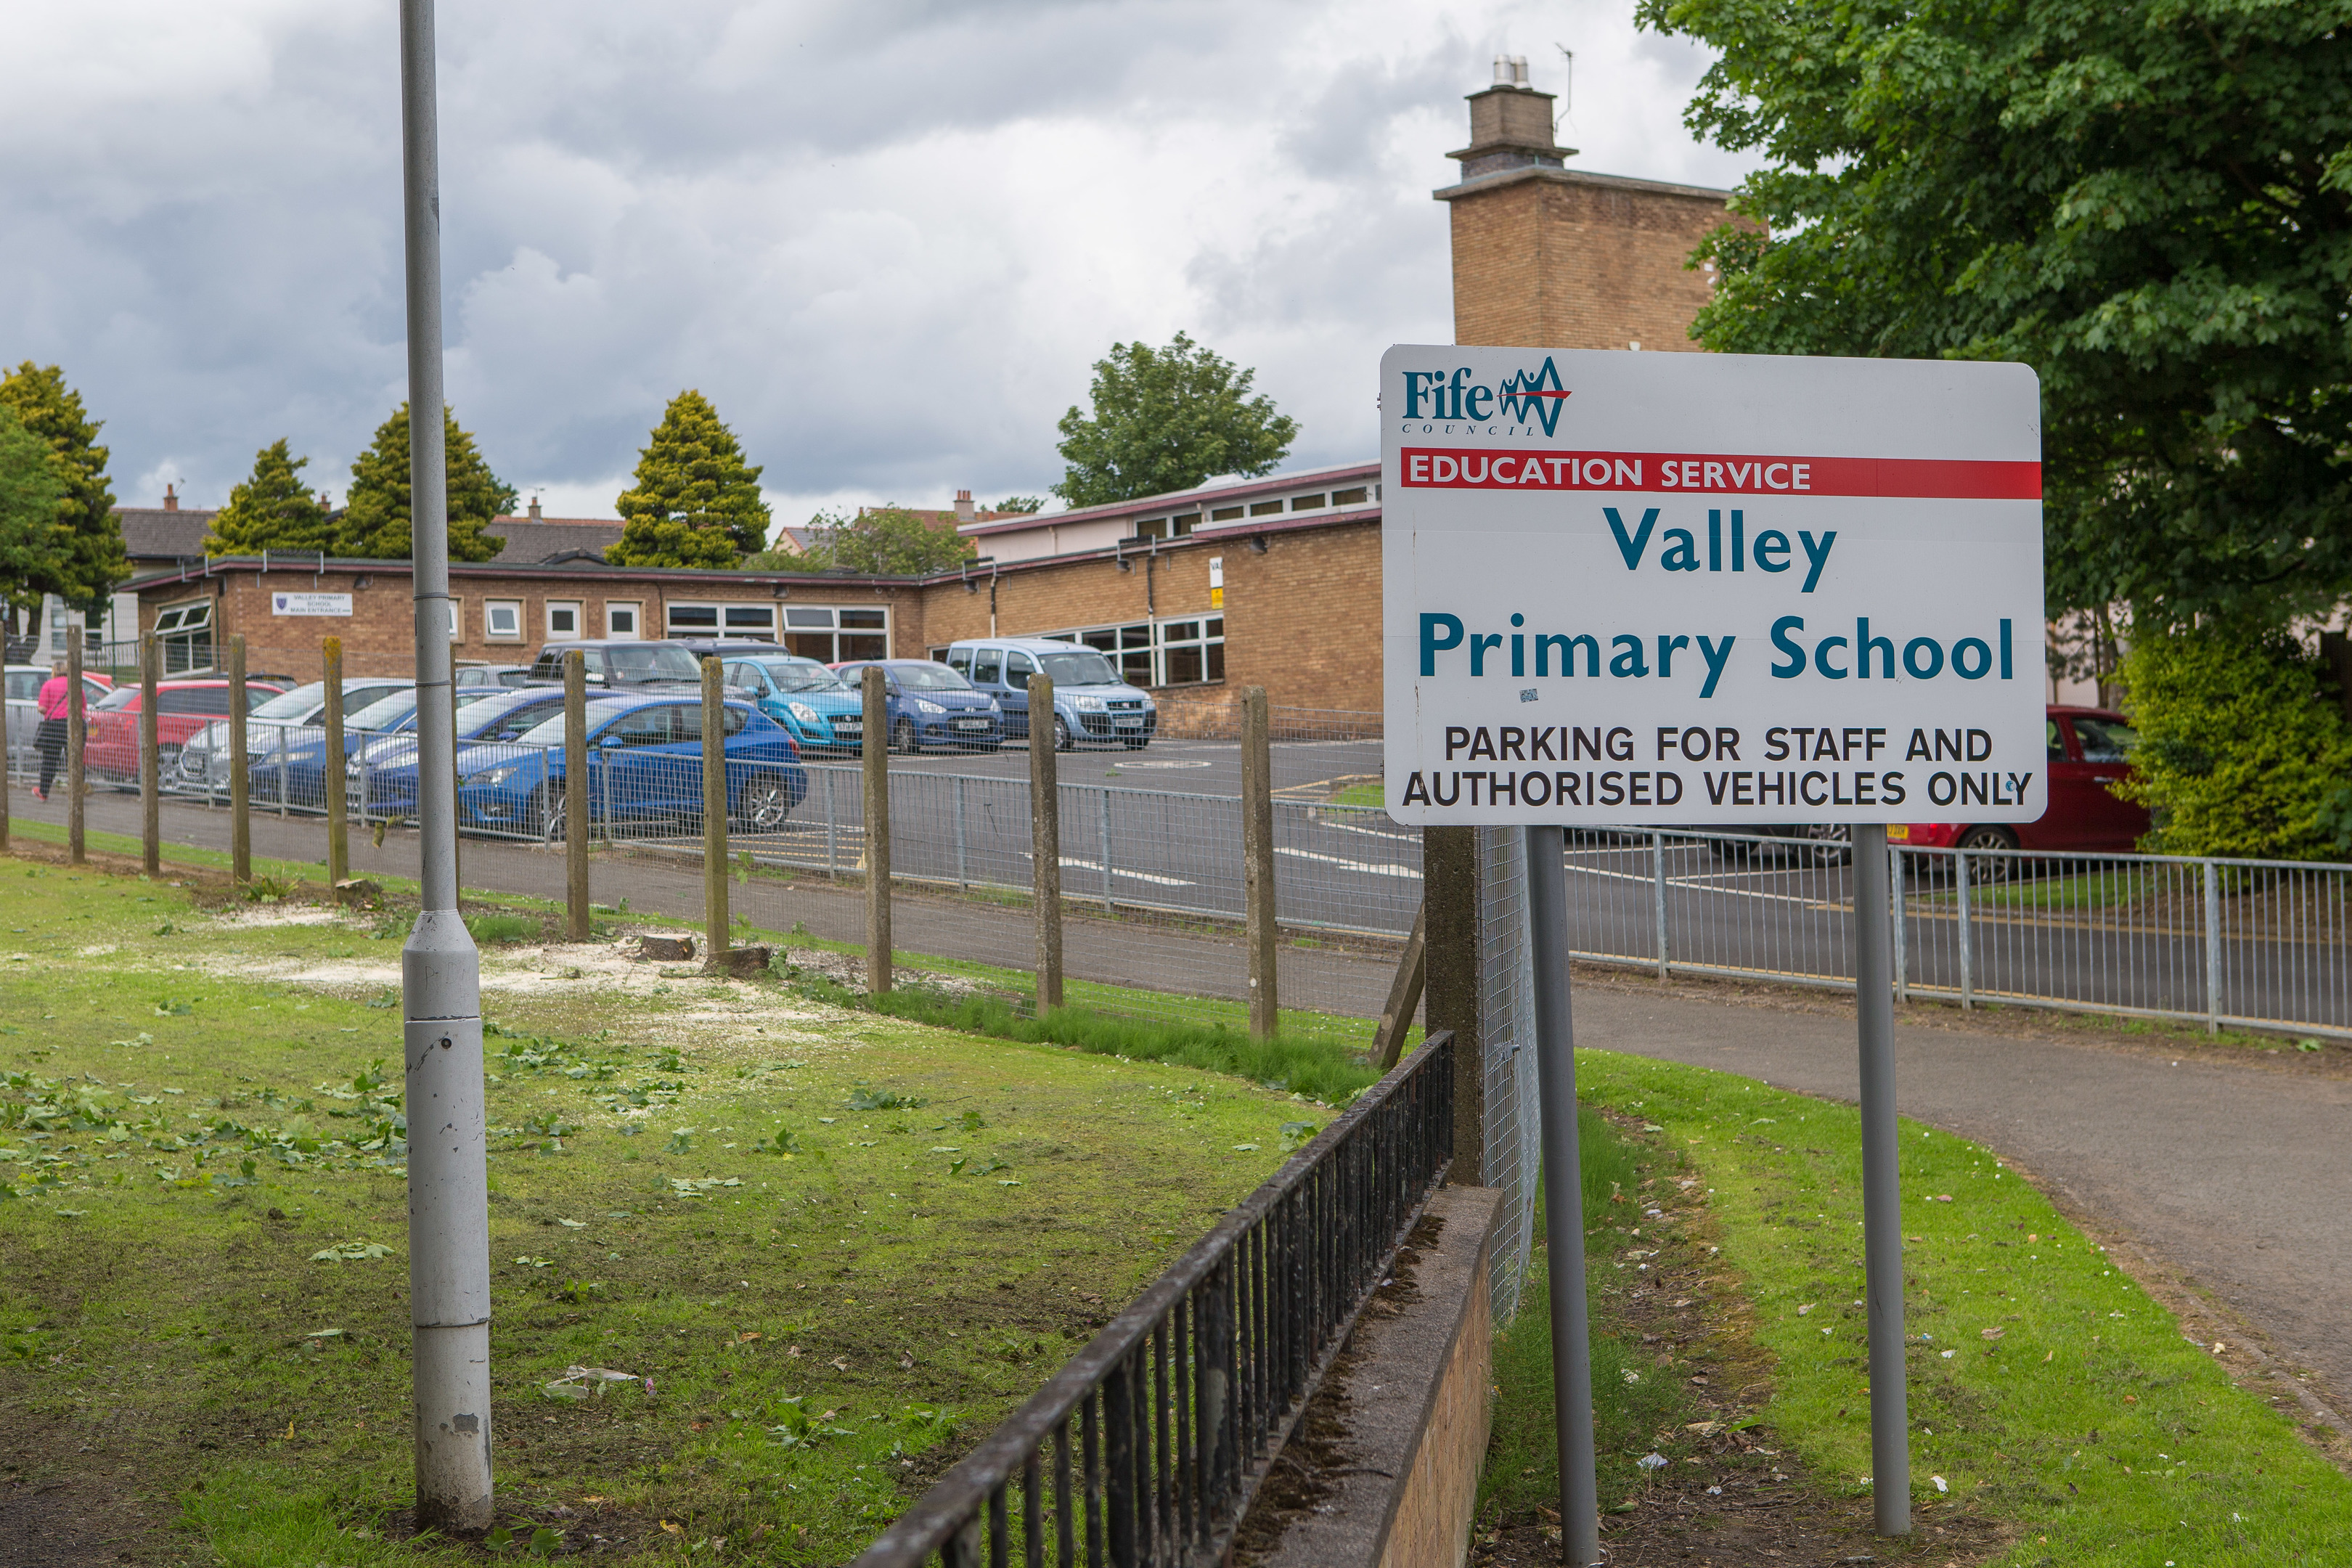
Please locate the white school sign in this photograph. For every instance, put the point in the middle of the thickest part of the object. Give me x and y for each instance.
(1710, 589)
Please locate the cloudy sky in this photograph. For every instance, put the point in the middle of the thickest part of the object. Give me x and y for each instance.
(888, 238)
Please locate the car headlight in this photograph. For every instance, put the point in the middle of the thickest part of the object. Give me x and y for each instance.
(804, 712)
(1088, 704)
(491, 778)
(924, 705)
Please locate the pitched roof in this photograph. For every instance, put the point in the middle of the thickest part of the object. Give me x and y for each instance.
(153, 533)
(532, 540)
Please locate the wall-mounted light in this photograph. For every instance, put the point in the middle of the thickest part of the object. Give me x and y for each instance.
(784, 590)
(1259, 542)
(362, 582)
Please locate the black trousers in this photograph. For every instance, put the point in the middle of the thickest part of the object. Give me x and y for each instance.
(49, 740)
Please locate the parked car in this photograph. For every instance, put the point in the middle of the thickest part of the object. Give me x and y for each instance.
(2088, 749)
(492, 674)
(183, 710)
(822, 710)
(204, 759)
(303, 753)
(1091, 703)
(23, 690)
(379, 776)
(615, 666)
(929, 704)
(645, 762)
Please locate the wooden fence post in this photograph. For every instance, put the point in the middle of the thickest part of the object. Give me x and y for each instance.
(1045, 840)
(576, 823)
(240, 817)
(150, 761)
(875, 746)
(714, 816)
(77, 737)
(1264, 935)
(330, 777)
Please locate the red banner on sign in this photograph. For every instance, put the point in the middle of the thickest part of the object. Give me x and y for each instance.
(1436, 467)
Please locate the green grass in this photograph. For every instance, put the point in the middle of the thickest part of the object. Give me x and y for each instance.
(2184, 1465)
(688, 1182)
(1523, 1457)
(1361, 794)
(1319, 1068)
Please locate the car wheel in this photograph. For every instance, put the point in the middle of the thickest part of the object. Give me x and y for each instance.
(764, 804)
(548, 821)
(1828, 844)
(1062, 741)
(1996, 866)
(902, 738)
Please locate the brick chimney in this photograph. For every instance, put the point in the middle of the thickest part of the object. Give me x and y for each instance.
(171, 498)
(1546, 256)
(964, 509)
(534, 508)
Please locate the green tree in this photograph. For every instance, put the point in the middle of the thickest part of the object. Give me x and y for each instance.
(2147, 201)
(271, 510)
(375, 522)
(30, 488)
(2243, 748)
(1020, 504)
(889, 541)
(1165, 419)
(696, 501)
(85, 558)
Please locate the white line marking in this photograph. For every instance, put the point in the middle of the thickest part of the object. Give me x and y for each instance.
(1364, 866)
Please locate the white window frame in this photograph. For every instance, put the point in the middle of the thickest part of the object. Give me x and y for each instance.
(491, 608)
(579, 608)
(636, 610)
(456, 618)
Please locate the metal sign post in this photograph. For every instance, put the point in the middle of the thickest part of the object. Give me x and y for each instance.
(1563, 1168)
(1882, 1195)
(448, 1189)
(1665, 590)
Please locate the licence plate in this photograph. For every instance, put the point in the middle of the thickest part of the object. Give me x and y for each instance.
(1899, 832)
(852, 731)
(972, 723)
(1128, 721)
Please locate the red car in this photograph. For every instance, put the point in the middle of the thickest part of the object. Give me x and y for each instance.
(111, 747)
(2089, 748)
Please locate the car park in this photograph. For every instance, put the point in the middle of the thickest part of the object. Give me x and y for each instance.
(379, 776)
(614, 665)
(930, 704)
(183, 710)
(1091, 703)
(645, 764)
(824, 712)
(270, 728)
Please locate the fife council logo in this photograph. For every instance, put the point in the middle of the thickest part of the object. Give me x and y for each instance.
(1531, 397)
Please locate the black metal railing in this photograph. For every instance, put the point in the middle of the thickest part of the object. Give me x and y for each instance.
(1147, 1448)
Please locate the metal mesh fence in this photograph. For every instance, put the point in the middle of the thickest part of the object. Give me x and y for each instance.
(1506, 1036)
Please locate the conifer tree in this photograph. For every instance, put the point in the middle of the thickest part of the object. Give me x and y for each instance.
(696, 501)
(271, 510)
(85, 558)
(375, 520)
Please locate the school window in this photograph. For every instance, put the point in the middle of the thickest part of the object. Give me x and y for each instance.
(1128, 646)
(184, 632)
(622, 618)
(502, 620)
(1164, 653)
(833, 635)
(721, 620)
(563, 620)
(456, 619)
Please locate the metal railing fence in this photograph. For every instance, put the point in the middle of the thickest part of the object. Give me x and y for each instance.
(1149, 1444)
(2255, 943)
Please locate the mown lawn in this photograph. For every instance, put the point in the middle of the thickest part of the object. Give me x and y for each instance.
(2046, 1388)
(829, 1248)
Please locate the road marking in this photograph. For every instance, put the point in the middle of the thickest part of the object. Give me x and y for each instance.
(1340, 861)
(1096, 867)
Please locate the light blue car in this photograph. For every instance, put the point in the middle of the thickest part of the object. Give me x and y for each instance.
(1091, 704)
(822, 711)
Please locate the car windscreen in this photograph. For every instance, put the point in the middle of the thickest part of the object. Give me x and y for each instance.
(794, 676)
(486, 705)
(1081, 667)
(295, 704)
(636, 666)
(929, 677)
(121, 697)
(549, 732)
(384, 713)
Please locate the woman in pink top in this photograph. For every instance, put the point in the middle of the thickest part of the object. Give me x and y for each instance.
(50, 738)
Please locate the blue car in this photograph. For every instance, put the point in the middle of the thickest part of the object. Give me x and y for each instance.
(929, 704)
(380, 774)
(823, 713)
(645, 766)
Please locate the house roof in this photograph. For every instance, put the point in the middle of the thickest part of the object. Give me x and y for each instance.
(153, 533)
(531, 539)
(1175, 502)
